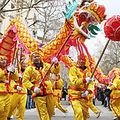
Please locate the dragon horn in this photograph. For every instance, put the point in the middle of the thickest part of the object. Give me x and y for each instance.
(66, 8)
(69, 5)
(70, 8)
(73, 1)
(64, 13)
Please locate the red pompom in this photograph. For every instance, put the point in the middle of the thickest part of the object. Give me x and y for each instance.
(112, 28)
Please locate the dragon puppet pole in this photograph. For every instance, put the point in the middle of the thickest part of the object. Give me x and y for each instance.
(9, 74)
(19, 58)
(56, 56)
(18, 67)
(14, 53)
(100, 58)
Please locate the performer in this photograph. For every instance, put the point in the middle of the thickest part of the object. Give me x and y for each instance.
(19, 97)
(114, 85)
(42, 95)
(79, 88)
(57, 92)
(4, 89)
(5, 79)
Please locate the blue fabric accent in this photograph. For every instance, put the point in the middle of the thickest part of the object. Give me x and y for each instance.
(70, 9)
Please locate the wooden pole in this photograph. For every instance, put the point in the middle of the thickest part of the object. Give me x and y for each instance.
(9, 74)
(56, 56)
(100, 58)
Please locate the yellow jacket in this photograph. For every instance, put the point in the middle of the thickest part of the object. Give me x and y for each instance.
(91, 87)
(7, 81)
(16, 81)
(57, 88)
(32, 77)
(77, 83)
(4, 87)
(115, 87)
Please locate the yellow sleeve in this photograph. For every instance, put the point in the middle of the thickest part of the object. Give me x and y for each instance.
(14, 76)
(91, 86)
(60, 83)
(12, 84)
(13, 79)
(2, 75)
(75, 77)
(88, 73)
(27, 77)
(115, 76)
(114, 84)
(55, 69)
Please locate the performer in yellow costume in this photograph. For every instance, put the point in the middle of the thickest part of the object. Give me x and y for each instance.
(4, 89)
(5, 78)
(79, 88)
(57, 93)
(42, 95)
(19, 97)
(115, 94)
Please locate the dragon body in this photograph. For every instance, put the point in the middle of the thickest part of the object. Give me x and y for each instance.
(80, 24)
(7, 44)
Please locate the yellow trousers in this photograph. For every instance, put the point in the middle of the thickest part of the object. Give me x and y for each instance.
(115, 106)
(45, 106)
(80, 109)
(4, 106)
(12, 102)
(18, 101)
(93, 107)
(58, 104)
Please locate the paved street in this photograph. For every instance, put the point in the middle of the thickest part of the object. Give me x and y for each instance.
(105, 115)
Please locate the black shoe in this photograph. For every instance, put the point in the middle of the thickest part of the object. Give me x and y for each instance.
(118, 118)
(98, 114)
(9, 118)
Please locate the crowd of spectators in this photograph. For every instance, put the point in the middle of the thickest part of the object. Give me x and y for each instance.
(103, 95)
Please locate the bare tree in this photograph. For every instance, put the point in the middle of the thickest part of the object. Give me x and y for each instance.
(111, 57)
(44, 17)
(47, 19)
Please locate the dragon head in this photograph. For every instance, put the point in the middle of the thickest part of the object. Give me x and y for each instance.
(84, 17)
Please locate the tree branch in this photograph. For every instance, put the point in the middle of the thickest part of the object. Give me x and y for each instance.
(33, 23)
(41, 1)
(28, 10)
(4, 5)
(20, 9)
